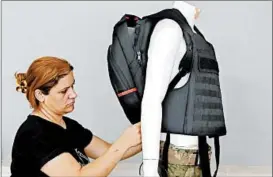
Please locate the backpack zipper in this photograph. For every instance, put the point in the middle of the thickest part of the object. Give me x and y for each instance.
(139, 57)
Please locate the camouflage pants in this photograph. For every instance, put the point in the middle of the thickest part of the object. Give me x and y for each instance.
(182, 162)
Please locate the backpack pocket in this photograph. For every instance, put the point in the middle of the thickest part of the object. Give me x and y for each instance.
(119, 82)
(131, 104)
(125, 90)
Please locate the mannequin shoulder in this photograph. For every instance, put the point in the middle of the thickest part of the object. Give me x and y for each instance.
(168, 26)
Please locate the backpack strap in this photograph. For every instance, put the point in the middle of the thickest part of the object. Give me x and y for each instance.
(217, 153)
(204, 158)
(199, 32)
(184, 67)
(173, 14)
(186, 62)
(165, 152)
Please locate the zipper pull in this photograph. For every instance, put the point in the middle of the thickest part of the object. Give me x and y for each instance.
(139, 57)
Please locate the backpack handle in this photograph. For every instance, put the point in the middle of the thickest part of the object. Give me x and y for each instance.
(131, 20)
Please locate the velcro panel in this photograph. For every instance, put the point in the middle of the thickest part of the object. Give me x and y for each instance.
(208, 65)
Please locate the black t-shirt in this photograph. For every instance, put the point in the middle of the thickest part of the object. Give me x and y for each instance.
(38, 141)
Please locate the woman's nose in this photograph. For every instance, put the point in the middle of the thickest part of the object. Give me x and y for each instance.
(73, 94)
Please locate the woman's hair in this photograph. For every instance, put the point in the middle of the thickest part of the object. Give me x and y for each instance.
(44, 73)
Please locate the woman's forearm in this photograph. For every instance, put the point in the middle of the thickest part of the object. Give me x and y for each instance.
(103, 165)
(132, 151)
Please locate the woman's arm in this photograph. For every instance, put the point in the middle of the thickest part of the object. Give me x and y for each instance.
(65, 165)
(104, 164)
(97, 147)
(132, 151)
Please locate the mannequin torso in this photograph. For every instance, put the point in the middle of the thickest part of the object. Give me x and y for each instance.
(189, 12)
(167, 47)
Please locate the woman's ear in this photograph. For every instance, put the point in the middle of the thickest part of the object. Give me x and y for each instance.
(39, 95)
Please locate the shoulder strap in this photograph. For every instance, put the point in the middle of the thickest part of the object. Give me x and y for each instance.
(165, 151)
(217, 154)
(184, 66)
(186, 61)
(204, 159)
(172, 14)
(198, 32)
(178, 17)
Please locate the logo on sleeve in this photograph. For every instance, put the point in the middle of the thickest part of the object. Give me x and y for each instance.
(83, 159)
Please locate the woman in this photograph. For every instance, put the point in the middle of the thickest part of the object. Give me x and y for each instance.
(51, 144)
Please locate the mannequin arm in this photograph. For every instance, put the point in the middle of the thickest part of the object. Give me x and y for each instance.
(163, 48)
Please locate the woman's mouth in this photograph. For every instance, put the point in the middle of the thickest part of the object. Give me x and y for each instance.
(70, 104)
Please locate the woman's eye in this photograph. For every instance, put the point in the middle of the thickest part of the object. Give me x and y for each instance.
(63, 91)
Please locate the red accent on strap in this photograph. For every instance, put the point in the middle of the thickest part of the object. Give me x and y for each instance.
(127, 92)
(136, 19)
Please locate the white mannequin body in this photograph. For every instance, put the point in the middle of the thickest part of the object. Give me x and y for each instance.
(167, 47)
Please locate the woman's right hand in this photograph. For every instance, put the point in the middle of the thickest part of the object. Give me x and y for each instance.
(131, 136)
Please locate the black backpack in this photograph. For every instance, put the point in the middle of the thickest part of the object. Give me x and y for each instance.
(127, 60)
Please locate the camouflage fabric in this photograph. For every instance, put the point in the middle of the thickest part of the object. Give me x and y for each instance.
(182, 162)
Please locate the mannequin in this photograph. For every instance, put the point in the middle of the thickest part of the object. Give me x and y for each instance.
(167, 47)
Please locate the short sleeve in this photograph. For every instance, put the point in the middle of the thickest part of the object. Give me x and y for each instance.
(82, 135)
(45, 153)
(42, 150)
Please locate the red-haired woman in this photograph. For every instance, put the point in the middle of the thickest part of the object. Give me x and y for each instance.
(50, 144)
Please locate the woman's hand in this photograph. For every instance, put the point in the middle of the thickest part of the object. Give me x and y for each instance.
(131, 136)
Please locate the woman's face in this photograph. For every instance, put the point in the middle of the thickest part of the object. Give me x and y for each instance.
(61, 98)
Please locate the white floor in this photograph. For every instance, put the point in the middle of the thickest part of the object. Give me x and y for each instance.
(131, 169)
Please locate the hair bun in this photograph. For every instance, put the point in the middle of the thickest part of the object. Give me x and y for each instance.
(21, 83)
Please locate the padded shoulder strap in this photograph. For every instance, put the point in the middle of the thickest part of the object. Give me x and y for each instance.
(172, 14)
(186, 62)
(177, 16)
